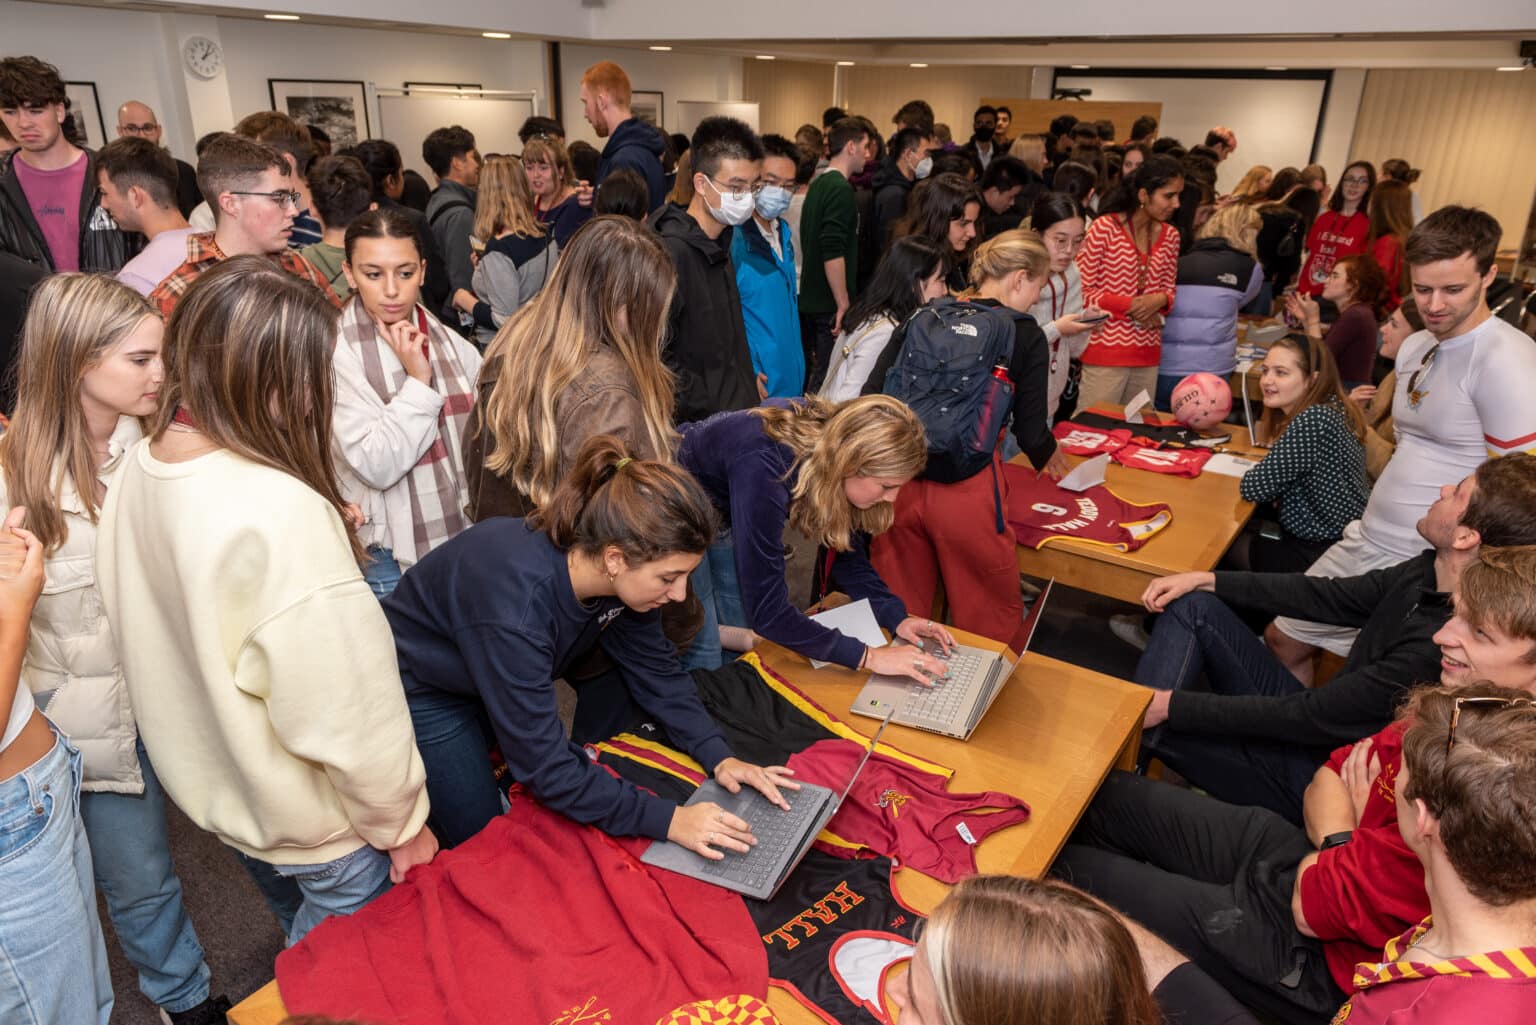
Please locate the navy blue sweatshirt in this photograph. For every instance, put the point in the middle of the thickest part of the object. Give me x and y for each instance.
(749, 478)
(491, 614)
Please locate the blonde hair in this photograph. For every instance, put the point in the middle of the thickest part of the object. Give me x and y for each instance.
(1238, 224)
(1004, 950)
(1017, 250)
(612, 286)
(505, 201)
(541, 150)
(74, 320)
(682, 186)
(1031, 150)
(1252, 186)
(871, 436)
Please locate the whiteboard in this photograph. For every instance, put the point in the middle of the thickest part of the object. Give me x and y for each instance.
(407, 120)
(691, 112)
(1276, 119)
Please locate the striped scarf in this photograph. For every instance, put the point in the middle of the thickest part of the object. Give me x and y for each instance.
(436, 482)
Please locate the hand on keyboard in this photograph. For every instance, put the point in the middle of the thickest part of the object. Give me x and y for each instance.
(926, 634)
(731, 773)
(906, 661)
(704, 827)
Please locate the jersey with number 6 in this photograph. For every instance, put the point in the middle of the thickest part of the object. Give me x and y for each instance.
(1041, 512)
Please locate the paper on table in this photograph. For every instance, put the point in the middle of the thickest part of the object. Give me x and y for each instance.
(1086, 474)
(1228, 465)
(1136, 405)
(856, 619)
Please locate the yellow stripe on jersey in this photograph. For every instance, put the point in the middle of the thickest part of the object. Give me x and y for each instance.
(657, 765)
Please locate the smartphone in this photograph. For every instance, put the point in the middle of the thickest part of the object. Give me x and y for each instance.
(1092, 315)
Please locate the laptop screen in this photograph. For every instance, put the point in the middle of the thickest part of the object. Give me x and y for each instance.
(1018, 644)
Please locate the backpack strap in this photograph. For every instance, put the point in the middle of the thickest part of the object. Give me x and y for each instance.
(452, 204)
(997, 498)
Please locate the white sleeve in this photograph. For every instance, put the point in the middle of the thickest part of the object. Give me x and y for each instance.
(380, 441)
(1501, 394)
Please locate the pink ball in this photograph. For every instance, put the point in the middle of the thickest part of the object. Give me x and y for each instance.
(1201, 401)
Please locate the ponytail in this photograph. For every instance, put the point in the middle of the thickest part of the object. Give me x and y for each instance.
(648, 509)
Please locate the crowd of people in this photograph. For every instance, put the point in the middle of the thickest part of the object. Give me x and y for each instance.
(317, 479)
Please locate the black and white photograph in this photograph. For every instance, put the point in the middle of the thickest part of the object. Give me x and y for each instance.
(338, 107)
(85, 106)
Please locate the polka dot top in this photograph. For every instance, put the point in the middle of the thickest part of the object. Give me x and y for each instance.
(1315, 473)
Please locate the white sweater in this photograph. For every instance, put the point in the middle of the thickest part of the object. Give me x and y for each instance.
(260, 666)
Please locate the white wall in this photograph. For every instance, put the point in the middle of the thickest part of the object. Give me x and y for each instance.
(679, 76)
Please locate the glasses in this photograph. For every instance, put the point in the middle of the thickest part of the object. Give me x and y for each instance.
(1353, 180)
(1480, 702)
(282, 197)
(734, 191)
(148, 129)
(1414, 395)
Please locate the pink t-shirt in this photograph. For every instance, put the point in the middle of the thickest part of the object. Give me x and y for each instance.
(55, 200)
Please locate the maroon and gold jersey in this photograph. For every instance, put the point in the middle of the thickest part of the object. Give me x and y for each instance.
(1040, 511)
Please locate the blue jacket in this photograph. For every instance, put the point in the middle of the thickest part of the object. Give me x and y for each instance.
(769, 307)
(1200, 333)
(637, 146)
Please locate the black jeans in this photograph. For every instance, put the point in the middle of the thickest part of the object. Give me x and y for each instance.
(1214, 880)
(1200, 643)
(817, 339)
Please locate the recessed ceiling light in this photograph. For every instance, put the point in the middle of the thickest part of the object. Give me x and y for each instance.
(662, 49)
(1079, 67)
(1513, 67)
(766, 57)
(497, 35)
(917, 65)
(845, 64)
(281, 17)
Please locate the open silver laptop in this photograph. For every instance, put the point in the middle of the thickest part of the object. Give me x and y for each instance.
(783, 837)
(955, 703)
(1253, 424)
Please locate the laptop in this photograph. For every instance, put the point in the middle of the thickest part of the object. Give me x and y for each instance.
(1253, 424)
(954, 704)
(783, 837)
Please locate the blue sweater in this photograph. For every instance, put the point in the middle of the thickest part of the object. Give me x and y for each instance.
(491, 615)
(1200, 332)
(637, 146)
(769, 307)
(749, 478)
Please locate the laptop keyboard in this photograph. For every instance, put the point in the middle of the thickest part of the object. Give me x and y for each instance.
(941, 702)
(776, 831)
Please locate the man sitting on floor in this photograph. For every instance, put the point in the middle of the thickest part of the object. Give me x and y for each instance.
(1280, 916)
(1256, 734)
(1466, 806)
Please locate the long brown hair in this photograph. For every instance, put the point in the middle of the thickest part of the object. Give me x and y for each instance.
(248, 356)
(932, 205)
(871, 436)
(647, 509)
(612, 286)
(505, 202)
(1314, 357)
(74, 320)
(1005, 950)
(1391, 213)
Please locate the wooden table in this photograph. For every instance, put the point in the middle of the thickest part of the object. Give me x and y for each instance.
(1051, 737)
(1208, 514)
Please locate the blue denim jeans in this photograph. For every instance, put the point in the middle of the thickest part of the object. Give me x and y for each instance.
(383, 573)
(53, 961)
(718, 586)
(132, 856)
(1199, 643)
(303, 896)
(452, 734)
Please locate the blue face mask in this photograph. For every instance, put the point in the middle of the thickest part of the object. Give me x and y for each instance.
(773, 200)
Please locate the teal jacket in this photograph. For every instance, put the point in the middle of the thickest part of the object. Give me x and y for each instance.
(768, 307)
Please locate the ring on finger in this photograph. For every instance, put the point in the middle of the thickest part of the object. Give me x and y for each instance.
(709, 839)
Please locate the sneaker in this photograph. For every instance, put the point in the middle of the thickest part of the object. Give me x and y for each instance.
(1129, 629)
(210, 1012)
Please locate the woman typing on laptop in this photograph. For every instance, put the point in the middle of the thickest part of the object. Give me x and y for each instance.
(486, 622)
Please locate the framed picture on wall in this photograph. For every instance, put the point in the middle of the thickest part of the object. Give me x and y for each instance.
(648, 107)
(86, 108)
(340, 108)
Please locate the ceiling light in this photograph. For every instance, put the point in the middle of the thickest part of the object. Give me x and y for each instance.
(662, 49)
(1513, 67)
(845, 64)
(917, 65)
(1079, 67)
(766, 57)
(497, 35)
(1275, 67)
(281, 17)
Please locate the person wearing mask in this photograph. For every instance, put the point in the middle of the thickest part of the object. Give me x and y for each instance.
(763, 254)
(405, 387)
(294, 745)
(1381, 439)
(553, 182)
(254, 203)
(909, 276)
(138, 190)
(1392, 221)
(381, 159)
(342, 191)
(1341, 230)
(50, 206)
(952, 532)
(1356, 288)
(137, 120)
(1001, 185)
(945, 210)
(706, 347)
(519, 252)
(829, 234)
(455, 163)
(1217, 278)
(90, 370)
(1129, 263)
(982, 149)
(486, 624)
(1061, 223)
(909, 164)
(605, 100)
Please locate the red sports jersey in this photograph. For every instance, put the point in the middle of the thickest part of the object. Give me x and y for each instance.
(1140, 454)
(905, 814)
(1040, 512)
(536, 919)
(1078, 440)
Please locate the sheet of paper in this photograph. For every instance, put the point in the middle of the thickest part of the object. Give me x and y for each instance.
(1086, 474)
(856, 619)
(1229, 465)
(1135, 406)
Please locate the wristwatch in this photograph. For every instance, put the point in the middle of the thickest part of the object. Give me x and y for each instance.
(1336, 840)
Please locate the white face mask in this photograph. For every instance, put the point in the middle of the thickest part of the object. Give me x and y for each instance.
(733, 210)
(924, 168)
